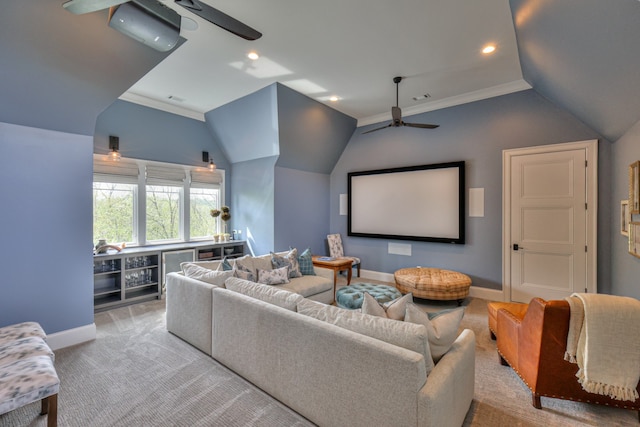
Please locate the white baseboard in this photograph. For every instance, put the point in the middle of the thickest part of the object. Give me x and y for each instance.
(70, 337)
(474, 291)
(486, 293)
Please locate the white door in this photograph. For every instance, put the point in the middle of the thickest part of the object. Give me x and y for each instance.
(549, 230)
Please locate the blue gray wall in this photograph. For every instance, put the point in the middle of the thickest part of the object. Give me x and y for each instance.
(46, 257)
(625, 268)
(149, 134)
(60, 70)
(476, 133)
(301, 206)
(252, 202)
(283, 146)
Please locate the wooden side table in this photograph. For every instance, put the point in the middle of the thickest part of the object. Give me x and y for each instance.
(334, 264)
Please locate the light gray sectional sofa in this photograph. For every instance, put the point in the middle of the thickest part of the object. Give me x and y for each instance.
(322, 369)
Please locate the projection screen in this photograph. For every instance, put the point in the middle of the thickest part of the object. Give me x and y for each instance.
(424, 203)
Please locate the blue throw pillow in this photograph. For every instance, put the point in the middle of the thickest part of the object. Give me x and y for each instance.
(226, 266)
(306, 264)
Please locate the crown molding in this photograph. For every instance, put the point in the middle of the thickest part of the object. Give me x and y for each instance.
(478, 95)
(161, 105)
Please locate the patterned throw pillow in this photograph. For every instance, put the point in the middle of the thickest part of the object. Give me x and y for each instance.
(290, 260)
(277, 276)
(306, 264)
(244, 273)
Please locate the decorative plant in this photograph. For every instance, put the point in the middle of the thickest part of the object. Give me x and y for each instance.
(226, 216)
(223, 213)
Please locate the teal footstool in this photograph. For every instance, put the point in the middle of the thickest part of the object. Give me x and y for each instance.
(351, 296)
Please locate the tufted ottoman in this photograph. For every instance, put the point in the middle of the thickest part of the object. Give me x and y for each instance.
(351, 296)
(433, 283)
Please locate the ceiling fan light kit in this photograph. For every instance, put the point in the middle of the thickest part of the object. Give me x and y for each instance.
(396, 115)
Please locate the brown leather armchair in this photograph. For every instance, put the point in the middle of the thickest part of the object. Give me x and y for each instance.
(533, 343)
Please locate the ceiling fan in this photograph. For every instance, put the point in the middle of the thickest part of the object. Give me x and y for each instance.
(204, 11)
(396, 114)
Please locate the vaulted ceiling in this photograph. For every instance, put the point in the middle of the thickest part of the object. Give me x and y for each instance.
(59, 70)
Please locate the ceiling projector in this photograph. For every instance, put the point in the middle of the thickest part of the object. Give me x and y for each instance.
(148, 21)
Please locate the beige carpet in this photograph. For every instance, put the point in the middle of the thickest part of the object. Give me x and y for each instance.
(138, 374)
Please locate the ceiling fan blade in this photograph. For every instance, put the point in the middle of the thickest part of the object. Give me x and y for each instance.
(220, 19)
(79, 7)
(383, 127)
(420, 125)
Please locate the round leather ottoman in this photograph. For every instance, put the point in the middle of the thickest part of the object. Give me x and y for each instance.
(433, 283)
(351, 296)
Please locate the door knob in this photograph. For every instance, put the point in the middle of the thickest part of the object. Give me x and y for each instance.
(516, 247)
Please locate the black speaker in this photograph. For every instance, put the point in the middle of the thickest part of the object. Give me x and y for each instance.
(148, 21)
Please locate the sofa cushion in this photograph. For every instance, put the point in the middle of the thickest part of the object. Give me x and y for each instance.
(392, 309)
(411, 336)
(442, 327)
(277, 276)
(290, 260)
(306, 263)
(198, 272)
(270, 294)
(309, 285)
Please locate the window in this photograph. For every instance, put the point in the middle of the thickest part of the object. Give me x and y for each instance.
(113, 212)
(163, 212)
(201, 202)
(165, 203)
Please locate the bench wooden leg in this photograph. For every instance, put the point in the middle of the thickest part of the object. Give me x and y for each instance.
(50, 409)
(536, 400)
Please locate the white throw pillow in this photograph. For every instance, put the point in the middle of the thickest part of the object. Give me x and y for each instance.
(391, 310)
(406, 335)
(213, 277)
(277, 276)
(442, 327)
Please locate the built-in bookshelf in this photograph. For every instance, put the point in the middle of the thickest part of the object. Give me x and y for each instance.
(135, 274)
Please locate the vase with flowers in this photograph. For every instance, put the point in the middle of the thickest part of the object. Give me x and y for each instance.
(224, 214)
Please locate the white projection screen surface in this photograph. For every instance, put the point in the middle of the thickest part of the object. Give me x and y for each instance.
(424, 203)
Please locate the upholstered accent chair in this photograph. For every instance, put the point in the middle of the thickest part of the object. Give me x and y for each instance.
(336, 251)
(533, 342)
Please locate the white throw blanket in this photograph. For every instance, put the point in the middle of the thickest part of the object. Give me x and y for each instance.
(604, 340)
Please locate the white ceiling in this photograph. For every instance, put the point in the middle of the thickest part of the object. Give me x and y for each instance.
(351, 49)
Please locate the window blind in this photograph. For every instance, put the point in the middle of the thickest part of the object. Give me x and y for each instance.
(165, 175)
(205, 178)
(106, 170)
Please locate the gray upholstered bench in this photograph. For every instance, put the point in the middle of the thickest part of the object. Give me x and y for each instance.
(27, 373)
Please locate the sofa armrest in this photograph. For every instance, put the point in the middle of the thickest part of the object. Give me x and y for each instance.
(189, 310)
(446, 397)
(507, 336)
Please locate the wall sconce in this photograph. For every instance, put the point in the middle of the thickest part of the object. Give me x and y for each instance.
(207, 159)
(114, 146)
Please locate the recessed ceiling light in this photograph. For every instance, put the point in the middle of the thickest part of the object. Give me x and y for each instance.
(253, 56)
(334, 98)
(490, 48)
